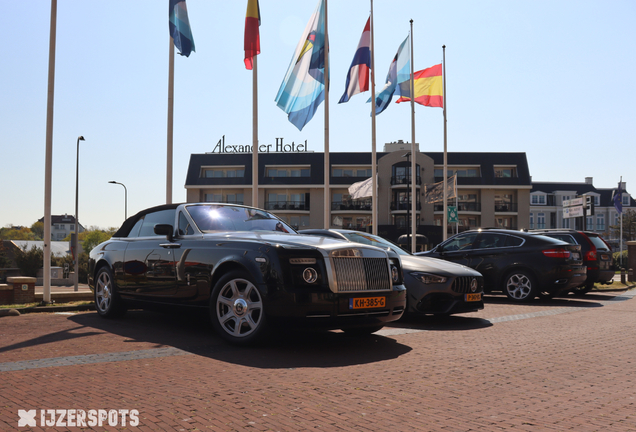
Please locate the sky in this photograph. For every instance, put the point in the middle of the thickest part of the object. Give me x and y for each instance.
(553, 79)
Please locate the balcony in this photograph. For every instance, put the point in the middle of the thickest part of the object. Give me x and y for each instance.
(351, 205)
(404, 206)
(287, 205)
(404, 180)
(505, 207)
(461, 206)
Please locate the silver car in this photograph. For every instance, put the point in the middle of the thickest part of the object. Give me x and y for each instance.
(434, 286)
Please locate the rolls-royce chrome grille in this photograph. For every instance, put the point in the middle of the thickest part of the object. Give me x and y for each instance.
(361, 274)
(466, 284)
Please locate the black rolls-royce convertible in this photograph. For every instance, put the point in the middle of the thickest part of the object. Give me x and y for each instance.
(249, 268)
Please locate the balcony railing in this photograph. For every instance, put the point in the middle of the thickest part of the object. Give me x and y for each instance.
(286, 205)
(461, 206)
(506, 207)
(351, 205)
(405, 180)
(404, 206)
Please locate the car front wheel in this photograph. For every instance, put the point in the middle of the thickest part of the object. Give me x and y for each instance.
(520, 286)
(236, 309)
(107, 302)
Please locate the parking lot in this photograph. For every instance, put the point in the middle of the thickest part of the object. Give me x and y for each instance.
(558, 365)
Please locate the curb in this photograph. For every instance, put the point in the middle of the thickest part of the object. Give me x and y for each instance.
(52, 309)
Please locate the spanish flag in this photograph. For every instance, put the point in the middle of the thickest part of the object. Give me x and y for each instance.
(429, 87)
(252, 39)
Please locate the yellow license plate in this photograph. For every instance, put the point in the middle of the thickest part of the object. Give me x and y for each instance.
(473, 297)
(367, 302)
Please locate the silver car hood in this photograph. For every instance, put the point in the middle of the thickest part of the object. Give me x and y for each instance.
(436, 266)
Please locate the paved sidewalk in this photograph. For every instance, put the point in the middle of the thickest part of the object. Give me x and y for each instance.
(562, 365)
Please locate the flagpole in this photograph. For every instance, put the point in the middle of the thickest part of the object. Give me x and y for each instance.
(413, 230)
(327, 198)
(255, 132)
(170, 122)
(620, 187)
(374, 164)
(48, 166)
(445, 215)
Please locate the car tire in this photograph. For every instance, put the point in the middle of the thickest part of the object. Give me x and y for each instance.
(237, 311)
(108, 304)
(362, 331)
(520, 286)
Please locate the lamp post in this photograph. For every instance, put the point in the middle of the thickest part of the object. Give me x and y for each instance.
(76, 242)
(125, 198)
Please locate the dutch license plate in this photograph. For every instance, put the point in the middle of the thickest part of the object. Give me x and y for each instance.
(605, 257)
(473, 297)
(367, 302)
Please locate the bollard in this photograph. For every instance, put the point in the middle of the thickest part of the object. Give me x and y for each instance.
(623, 276)
(630, 275)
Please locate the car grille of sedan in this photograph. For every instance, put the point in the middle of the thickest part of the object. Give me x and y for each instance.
(462, 284)
(362, 274)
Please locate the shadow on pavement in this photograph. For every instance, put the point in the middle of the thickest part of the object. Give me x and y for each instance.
(442, 323)
(573, 301)
(192, 332)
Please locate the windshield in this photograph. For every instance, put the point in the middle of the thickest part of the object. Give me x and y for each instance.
(369, 239)
(218, 217)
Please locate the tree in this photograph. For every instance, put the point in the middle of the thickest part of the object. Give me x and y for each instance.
(38, 230)
(16, 233)
(29, 262)
(629, 226)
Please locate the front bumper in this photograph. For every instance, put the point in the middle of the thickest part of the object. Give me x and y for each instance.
(329, 310)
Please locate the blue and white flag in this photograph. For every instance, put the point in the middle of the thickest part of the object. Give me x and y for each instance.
(180, 27)
(399, 72)
(617, 197)
(358, 76)
(303, 88)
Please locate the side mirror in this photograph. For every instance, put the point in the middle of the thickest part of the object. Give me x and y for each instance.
(165, 229)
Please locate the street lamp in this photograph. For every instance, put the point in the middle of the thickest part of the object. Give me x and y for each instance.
(76, 242)
(125, 198)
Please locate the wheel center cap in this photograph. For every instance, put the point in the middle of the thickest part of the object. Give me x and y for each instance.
(106, 292)
(240, 307)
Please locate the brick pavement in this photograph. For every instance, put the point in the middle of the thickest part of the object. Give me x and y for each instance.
(563, 365)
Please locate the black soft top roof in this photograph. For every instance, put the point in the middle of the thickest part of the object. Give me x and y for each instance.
(125, 228)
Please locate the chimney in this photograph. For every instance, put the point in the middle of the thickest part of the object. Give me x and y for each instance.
(589, 180)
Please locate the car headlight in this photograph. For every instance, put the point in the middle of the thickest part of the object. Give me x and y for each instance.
(428, 278)
(395, 274)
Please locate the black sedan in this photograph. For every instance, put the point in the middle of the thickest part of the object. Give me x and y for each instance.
(433, 286)
(520, 264)
(249, 268)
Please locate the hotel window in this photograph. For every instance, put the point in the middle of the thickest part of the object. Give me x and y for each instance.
(590, 223)
(223, 172)
(288, 172)
(625, 198)
(531, 223)
(351, 172)
(505, 172)
(467, 172)
(600, 222)
(230, 198)
(566, 223)
(540, 220)
(537, 199)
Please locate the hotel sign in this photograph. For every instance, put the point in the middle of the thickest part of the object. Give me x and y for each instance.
(279, 147)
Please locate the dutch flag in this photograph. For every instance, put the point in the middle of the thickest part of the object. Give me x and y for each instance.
(358, 77)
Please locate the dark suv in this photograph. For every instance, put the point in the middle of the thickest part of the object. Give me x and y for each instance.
(597, 255)
(523, 265)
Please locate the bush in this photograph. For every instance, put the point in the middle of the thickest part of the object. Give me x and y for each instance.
(29, 262)
(620, 261)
